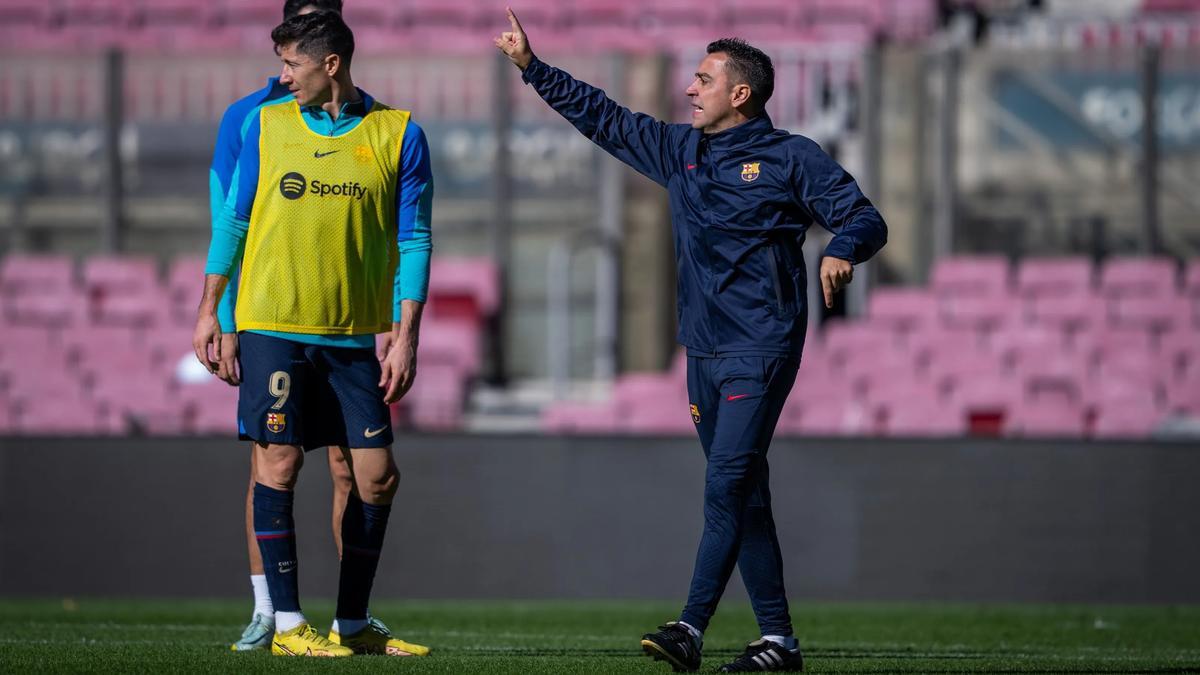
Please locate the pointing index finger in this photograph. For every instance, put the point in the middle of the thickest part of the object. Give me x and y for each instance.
(512, 19)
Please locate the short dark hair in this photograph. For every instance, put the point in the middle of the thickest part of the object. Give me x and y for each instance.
(292, 7)
(318, 35)
(748, 65)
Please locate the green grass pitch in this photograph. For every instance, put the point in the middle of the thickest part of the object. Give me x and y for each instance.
(144, 636)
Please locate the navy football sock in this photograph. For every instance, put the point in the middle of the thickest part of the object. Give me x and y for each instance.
(363, 526)
(275, 531)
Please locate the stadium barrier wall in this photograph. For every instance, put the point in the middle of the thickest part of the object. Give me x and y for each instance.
(557, 517)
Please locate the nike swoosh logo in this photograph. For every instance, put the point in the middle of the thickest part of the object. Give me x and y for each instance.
(736, 397)
(372, 434)
(319, 154)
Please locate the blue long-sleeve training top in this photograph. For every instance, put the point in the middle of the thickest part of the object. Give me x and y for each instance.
(741, 201)
(234, 180)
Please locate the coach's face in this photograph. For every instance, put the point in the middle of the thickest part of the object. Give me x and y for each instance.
(310, 80)
(713, 96)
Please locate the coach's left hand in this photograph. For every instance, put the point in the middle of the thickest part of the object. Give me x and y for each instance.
(835, 275)
(399, 370)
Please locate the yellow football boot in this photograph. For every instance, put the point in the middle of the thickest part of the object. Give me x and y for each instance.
(303, 640)
(375, 639)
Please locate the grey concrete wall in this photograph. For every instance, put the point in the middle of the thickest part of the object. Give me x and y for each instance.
(541, 517)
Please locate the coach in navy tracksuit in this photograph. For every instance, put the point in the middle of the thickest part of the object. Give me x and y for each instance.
(742, 195)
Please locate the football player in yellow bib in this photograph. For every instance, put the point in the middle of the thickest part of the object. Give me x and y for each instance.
(319, 220)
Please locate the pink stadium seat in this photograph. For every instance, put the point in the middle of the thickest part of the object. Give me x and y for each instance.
(929, 342)
(831, 417)
(1067, 313)
(1113, 341)
(64, 415)
(1126, 420)
(21, 273)
(1180, 350)
(923, 418)
(763, 19)
(970, 276)
(596, 14)
(1183, 394)
(984, 313)
(1044, 420)
(1018, 344)
(124, 290)
(844, 340)
(376, 14)
(258, 14)
(26, 15)
(904, 308)
(16, 341)
(867, 376)
(437, 398)
(677, 18)
(54, 308)
(946, 371)
(1161, 314)
(533, 14)
(160, 15)
(211, 407)
(107, 274)
(7, 419)
(1047, 277)
(865, 13)
(1191, 279)
(100, 343)
(638, 389)
(659, 416)
(463, 287)
(94, 14)
(580, 418)
(451, 342)
(1141, 277)
(996, 394)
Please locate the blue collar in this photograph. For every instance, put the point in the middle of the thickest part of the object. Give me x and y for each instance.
(751, 129)
(357, 108)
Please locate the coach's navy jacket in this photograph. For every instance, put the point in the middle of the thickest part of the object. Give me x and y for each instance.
(741, 201)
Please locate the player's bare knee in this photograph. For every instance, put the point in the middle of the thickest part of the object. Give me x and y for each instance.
(279, 468)
(380, 487)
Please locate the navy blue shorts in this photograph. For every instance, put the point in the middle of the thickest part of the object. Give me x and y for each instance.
(310, 395)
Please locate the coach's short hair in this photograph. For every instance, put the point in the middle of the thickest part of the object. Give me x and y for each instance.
(747, 65)
(292, 7)
(318, 35)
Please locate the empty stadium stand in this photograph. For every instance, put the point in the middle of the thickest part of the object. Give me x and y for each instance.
(106, 348)
(1052, 347)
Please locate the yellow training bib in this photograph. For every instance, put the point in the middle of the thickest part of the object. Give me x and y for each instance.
(321, 250)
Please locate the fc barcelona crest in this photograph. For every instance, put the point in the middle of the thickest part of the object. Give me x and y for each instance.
(276, 421)
(750, 171)
(695, 413)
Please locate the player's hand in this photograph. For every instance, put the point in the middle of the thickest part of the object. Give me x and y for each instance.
(835, 274)
(514, 43)
(206, 335)
(227, 369)
(383, 345)
(399, 369)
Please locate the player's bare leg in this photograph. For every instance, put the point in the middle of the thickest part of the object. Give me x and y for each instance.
(343, 481)
(375, 479)
(257, 634)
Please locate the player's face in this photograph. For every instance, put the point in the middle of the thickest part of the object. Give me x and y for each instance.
(308, 79)
(711, 95)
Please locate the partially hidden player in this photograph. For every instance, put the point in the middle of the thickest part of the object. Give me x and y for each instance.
(328, 216)
(232, 131)
(742, 195)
